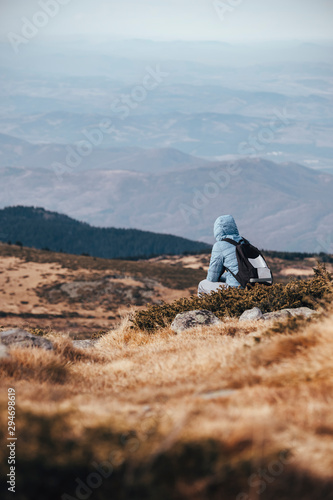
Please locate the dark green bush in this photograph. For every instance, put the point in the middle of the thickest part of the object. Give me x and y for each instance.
(233, 301)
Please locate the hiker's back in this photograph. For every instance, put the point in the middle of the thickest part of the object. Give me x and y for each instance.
(224, 256)
(234, 261)
(252, 267)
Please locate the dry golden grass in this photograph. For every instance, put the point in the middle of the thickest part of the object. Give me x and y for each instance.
(82, 295)
(149, 404)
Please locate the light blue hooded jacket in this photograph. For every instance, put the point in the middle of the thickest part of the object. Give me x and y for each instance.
(224, 253)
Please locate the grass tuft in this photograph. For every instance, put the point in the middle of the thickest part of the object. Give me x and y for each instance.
(32, 364)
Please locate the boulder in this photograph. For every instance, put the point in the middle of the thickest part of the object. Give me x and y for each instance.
(301, 311)
(253, 314)
(288, 313)
(21, 338)
(84, 344)
(279, 315)
(191, 319)
(3, 352)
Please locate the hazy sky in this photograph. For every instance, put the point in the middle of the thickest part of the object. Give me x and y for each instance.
(226, 20)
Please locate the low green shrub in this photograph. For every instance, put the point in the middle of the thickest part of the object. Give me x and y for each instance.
(233, 301)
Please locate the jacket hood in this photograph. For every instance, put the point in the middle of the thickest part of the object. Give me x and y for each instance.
(225, 226)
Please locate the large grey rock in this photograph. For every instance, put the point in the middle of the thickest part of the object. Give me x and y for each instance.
(3, 352)
(288, 313)
(84, 344)
(253, 314)
(21, 338)
(280, 315)
(190, 319)
(301, 311)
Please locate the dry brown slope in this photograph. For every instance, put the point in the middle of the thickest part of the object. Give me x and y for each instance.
(84, 295)
(152, 406)
(78, 294)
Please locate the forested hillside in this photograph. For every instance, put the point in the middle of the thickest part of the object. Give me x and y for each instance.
(39, 228)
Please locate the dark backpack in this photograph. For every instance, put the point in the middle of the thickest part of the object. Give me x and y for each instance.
(252, 267)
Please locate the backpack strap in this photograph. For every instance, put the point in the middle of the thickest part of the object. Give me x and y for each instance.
(233, 242)
(230, 271)
(228, 240)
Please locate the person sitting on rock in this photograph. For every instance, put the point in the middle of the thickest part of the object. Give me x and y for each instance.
(223, 256)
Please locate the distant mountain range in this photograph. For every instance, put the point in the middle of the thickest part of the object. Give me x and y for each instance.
(277, 206)
(39, 228)
(15, 152)
(238, 105)
(226, 129)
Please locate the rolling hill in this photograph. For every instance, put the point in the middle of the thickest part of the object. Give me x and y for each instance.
(39, 228)
(15, 152)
